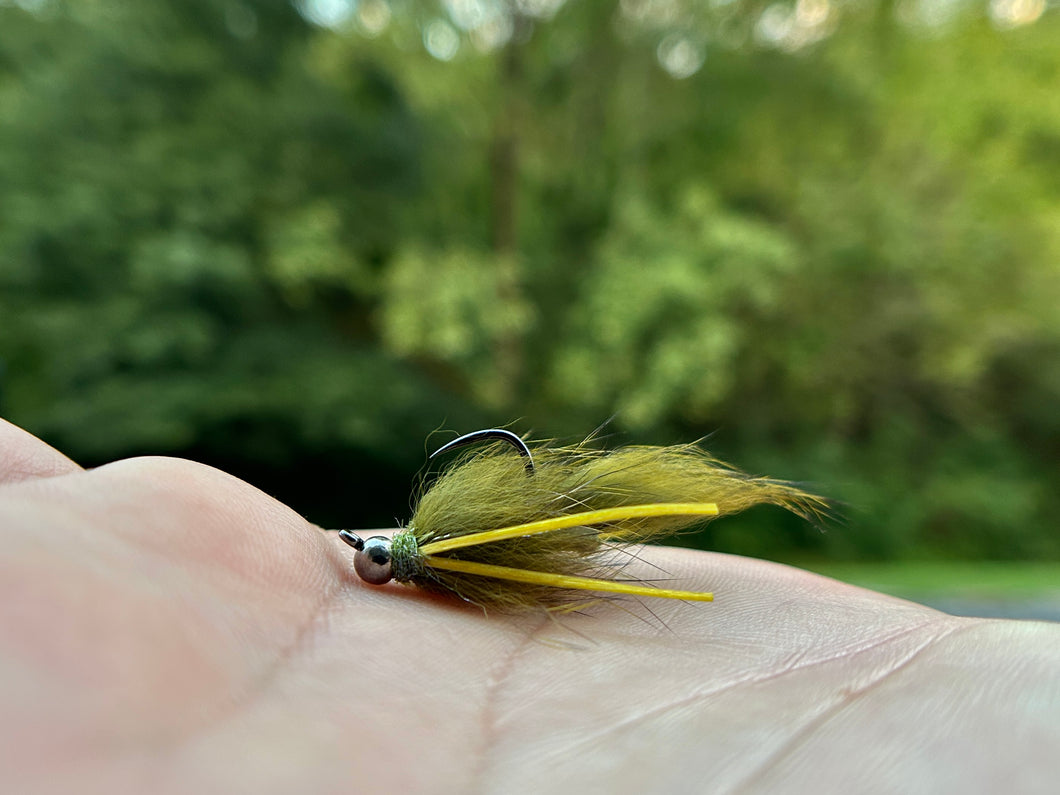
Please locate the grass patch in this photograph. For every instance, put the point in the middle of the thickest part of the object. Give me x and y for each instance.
(988, 579)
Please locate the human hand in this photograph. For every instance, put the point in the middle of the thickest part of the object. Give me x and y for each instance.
(165, 627)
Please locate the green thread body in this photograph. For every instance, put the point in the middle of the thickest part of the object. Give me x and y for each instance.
(406, 562)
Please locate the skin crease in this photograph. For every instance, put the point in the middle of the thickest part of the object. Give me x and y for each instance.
(167, 628)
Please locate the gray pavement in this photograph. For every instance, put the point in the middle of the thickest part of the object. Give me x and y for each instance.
(1037, 608)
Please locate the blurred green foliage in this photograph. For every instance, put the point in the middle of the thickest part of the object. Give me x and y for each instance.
(293, 239)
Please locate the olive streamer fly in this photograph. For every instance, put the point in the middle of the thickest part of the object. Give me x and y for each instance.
(512, 527)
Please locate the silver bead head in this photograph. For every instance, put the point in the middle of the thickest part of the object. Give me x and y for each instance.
(372, 560)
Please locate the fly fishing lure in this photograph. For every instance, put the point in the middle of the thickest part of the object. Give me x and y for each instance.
(510, 532)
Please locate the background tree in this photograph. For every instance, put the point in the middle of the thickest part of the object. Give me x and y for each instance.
(294, 239)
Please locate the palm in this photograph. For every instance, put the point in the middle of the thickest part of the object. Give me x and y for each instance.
(168, 627)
